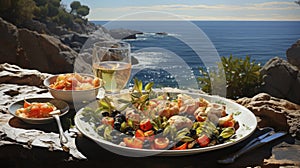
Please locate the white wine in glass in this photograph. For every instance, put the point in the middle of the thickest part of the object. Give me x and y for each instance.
(112, 63)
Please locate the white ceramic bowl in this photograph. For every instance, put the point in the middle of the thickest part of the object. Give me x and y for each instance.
(72, 96)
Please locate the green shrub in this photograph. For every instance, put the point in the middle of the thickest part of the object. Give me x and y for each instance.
(79, 21)
(242, 77)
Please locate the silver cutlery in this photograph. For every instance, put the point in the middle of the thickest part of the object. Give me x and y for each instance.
(62, 137)
(255, 143)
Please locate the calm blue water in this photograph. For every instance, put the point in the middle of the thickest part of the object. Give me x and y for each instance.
(261, 40)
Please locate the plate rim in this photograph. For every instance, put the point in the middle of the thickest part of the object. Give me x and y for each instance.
(38, 120)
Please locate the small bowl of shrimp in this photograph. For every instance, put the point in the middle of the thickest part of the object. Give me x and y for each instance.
(74, 87)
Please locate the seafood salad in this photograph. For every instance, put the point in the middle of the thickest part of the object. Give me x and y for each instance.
(35, 110)
(144, 119)
(75, 81)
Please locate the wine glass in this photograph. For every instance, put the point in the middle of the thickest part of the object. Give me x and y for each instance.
(112, 63)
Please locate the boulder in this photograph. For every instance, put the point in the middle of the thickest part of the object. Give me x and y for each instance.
(44, 53)
(281, 79)
(81, 38)
(293, 54)
(273, 112)
(123, 33)
(13, 74)
(9, 45)
(32, 50)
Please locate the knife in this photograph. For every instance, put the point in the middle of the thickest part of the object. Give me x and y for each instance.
(257, 142)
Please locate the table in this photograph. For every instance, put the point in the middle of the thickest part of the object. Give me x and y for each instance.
(17, 156)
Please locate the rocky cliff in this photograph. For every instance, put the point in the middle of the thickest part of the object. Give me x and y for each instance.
(32, 50)
(293, 54)
(281, 79)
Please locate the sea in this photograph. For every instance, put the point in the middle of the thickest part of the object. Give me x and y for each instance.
(170, 53)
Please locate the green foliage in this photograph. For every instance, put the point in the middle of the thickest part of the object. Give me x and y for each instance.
(242, 77)
(74, 6)
(83, 10)
(79, 20)
(40, 2)
(19, 12)
(65, 18)
(52, 10)
(55, 3)
(78, 9)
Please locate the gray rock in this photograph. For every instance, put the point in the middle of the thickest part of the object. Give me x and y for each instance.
(293, 54)
(13, 74)
(273, 112)
(76, 44)
(123, 33)
(32, 50)
(81, 38)
(9, 46)
(281, 79)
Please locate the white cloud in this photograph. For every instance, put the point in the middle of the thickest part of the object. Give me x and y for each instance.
(208, 12)
(259, 6)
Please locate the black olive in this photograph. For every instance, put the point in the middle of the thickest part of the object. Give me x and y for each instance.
(117, 125)
(118, 120)
(220, 139)
(129, 129)
(114, 113)
(193, 132)
(105, 114)
(214, 136)
(159, 131)
(130, 133)
(196, 146)
(188, 134)
(120, 117)
(179, 143)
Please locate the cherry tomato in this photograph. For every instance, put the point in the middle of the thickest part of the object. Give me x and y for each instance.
(26, 104)
(161, 143)
(133, 142)
(46, 108)
(108, 121)
(229, 123)
(203, 140)
(34, 111)
(139, 134)
(145, 125)
(181, 147)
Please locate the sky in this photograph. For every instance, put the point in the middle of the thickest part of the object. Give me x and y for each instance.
(191, 9)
